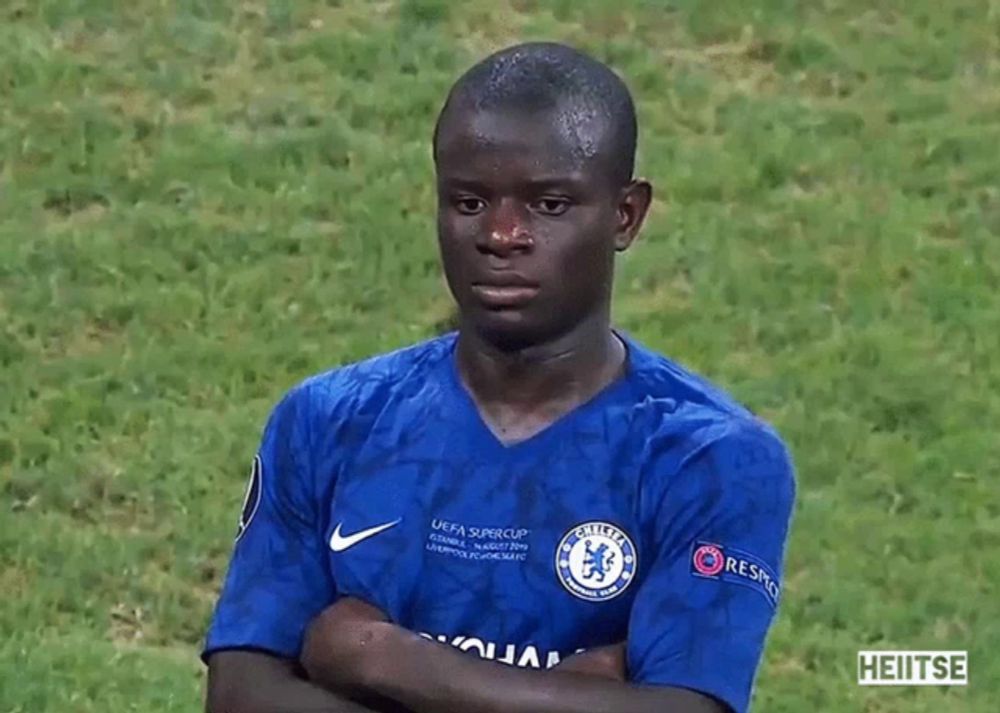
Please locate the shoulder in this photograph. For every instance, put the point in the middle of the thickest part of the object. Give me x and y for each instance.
(357, 387)
(702, 465)
(669, 387)
(686, 420)
(721, 454)
(325, 415)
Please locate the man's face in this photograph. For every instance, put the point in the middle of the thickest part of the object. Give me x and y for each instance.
(528, 224)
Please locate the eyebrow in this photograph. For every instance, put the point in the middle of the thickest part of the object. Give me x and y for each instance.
(570, 180)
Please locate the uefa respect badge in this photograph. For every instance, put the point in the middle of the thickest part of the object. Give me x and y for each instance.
(710, 560)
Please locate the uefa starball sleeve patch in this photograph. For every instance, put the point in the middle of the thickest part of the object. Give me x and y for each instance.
(728, 564)
(251, 500)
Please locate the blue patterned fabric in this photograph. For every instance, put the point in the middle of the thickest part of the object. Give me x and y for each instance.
(657, 512)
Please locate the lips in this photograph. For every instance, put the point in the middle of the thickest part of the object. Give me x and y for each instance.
(505, 291)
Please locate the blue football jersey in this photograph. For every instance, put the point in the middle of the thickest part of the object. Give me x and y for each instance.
(656, 513)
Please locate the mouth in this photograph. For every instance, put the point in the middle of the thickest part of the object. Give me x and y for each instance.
(500, 293)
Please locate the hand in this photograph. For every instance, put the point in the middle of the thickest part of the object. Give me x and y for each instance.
(342, 642)
(603, 662)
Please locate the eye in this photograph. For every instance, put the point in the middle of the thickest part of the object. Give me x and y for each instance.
(469, 205)
(552, 205)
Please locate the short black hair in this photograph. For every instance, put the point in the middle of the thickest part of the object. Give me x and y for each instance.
(547, 76)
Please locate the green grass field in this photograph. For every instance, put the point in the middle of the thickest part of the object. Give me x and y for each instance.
(203, 202)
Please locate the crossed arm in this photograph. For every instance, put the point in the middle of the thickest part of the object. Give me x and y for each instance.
(357, 661)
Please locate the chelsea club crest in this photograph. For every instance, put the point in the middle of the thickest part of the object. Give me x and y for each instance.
(596, 561)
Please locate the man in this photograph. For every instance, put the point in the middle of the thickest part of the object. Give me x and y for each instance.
(536, 513)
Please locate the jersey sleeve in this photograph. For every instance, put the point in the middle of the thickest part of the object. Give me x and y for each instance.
(718, 527)
(278, 578)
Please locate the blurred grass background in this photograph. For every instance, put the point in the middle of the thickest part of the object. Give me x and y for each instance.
(203, 202)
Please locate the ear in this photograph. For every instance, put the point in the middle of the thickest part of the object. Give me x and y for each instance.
(633, 204)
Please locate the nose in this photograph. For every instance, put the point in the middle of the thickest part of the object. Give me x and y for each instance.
(507, 230)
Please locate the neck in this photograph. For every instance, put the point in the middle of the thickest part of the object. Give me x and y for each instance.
(569, 367)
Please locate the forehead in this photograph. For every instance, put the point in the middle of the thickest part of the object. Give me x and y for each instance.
(547, 141)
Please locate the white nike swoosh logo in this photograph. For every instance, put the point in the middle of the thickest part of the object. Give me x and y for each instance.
(339, 543)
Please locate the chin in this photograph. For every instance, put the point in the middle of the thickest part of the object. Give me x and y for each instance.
(510, 330)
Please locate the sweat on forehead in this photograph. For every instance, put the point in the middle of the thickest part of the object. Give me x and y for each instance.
(588, 103)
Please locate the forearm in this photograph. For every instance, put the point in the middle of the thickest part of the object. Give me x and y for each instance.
(351, 647)
(289, 696)
(247, 682)
(432, 678)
